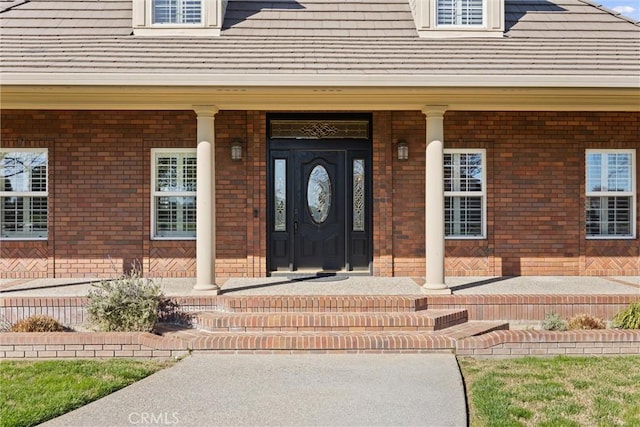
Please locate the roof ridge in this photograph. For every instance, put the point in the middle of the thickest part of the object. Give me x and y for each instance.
(611, 12)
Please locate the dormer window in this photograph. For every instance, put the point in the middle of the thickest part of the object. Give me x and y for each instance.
(460, 12)
(178, 17)
(177, 11)
(458, 18)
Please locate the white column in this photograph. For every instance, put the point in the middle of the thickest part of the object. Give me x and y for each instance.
(205, 201)
(434, 200)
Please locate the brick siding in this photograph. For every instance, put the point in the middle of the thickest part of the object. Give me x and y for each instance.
(100, 195)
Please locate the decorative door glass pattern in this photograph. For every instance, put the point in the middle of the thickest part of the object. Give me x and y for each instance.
(319, 129)
(358, 195)
(319, 194)
(280, 193)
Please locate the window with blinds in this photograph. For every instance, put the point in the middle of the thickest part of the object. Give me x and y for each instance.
(464, 193)
(23, 194)
(177, 11)
(460, 12)
(174, 193)
(610, 193)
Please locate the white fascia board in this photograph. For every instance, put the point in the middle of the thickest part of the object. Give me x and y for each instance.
(317, 80)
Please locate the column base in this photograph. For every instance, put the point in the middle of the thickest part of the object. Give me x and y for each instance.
(435, 289)
(213, 288)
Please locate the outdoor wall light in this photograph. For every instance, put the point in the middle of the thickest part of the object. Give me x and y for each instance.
(236, 149)
(403, 150)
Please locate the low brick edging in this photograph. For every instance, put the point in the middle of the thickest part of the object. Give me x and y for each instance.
(533, 307)
(496, 344)
(46, 345)
(504, 344)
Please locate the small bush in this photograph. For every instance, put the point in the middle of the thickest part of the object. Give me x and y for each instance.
(553, 322)
(628, 318)
(38, 323)
(129, 303)
(585, 321)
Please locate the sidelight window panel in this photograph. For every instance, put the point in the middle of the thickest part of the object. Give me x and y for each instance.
(464, 193)
(358, 195)
(280, 193)
(174, 193)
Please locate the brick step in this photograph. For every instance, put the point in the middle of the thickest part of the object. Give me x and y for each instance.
(427, 320)
(313, 341)
(474, 328)
(311, 303)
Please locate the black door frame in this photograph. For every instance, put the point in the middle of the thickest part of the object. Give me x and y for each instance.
(360, 148)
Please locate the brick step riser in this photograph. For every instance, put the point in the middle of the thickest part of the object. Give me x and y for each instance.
(327, 322)
(320, 342)
(319, 304)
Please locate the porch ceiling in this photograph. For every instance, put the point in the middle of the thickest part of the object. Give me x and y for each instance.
(339, 96)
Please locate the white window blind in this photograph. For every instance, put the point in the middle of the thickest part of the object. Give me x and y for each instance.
(23, 194)
(177, 11)
(460, 12)
(464, 193)
(174, 194)
(610, 193)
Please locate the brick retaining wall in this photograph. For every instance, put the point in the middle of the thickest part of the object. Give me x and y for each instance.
(512, 308)
(45, 345)
(504, 344)
(497, 344)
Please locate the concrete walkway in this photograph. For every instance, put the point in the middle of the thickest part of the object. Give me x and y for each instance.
(288, 390)
(354, 285)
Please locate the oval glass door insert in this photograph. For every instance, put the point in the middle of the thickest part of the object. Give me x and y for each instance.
(319, 194)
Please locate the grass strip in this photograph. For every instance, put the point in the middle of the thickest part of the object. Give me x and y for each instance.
(558, 391)
(37, 391)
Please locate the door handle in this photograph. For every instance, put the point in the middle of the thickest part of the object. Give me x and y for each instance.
(295, 227)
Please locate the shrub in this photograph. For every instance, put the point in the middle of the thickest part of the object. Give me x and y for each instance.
(585, 321)
(628, 318)
(128, 303)
(553, 322)
(38, 323)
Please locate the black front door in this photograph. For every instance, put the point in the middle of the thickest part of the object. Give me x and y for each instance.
(319, 205)
(319, 214)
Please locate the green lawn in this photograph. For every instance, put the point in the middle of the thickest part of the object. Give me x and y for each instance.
(33, 392)
(559, 391)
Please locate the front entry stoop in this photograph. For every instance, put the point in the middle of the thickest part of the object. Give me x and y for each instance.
(282, 325)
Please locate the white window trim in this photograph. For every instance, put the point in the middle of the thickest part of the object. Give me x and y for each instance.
(482, 194)
(203, 18)
(212, 17)
(425, 15)
(155, 194)
(29, 193)
(631, 193)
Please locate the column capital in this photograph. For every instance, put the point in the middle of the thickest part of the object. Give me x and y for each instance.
(434, 110)
(205, 110)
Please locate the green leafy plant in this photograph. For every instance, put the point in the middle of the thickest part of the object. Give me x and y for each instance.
(628, 318)
(128, 303)
(585, 321)
(38, 323)
(553, 322)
